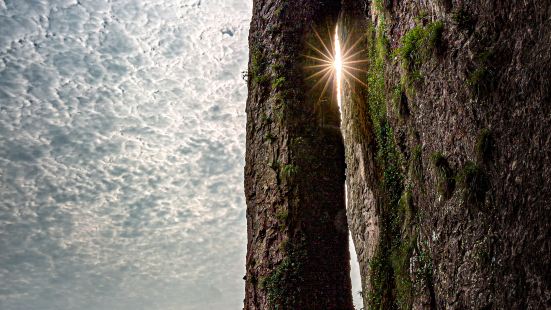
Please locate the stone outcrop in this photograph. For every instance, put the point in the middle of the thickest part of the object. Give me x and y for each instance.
(294, 176)
(446, 126)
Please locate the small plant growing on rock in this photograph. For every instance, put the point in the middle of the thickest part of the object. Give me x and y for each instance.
(258, 65)
(474, 183)
(288, 172)
(434, 35)
(277, 83)
(282, 215)
(416, 47)
(481, 78)
(444, 173)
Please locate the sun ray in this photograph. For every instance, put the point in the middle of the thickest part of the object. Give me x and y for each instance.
(319, 51)
(323, 43)
(346, 59)
(351, 49)
(326, 75)
(356, 62)
(354, 77)
(333, 62)
(318, 59)
(319, 73)
(325, 87)
(319, 66)
(354, 68)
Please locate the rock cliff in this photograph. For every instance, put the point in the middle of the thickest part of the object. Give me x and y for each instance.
(446, 140)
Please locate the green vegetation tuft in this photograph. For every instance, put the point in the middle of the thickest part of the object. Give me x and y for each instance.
(474, 183)
(416, 47)
(445, 176)
(434, 32)
(282, 215)
(389, 268)
(258, 66)
(484, 145)
(278, 68)
(288, 172)
(481, 78)
(279, 82)
(284, 277)
(400, 263)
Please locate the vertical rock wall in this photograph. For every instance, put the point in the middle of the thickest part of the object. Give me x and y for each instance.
(297, 254)
(448, 153)
(446, 125)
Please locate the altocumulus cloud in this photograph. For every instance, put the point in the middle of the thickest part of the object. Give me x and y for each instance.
(121, 154)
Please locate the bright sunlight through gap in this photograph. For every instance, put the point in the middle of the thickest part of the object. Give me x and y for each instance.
(338, 68)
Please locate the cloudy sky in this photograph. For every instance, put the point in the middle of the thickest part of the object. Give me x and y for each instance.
(122, 136)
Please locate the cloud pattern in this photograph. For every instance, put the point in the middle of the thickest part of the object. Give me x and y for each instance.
(121, 154)
(122, 132)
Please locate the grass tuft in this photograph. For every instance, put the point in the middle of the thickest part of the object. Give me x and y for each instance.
(445, 176)
(474, 183)
(417, 46)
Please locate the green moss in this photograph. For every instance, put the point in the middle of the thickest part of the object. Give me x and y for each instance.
(480, 79)
(380, 274)
(278, 68)
(285, 278)
(477, 78)
(410, 48)
(474, 183)
(434, 32)
(280, 107)
(288, 172)
(416, 46)
(445, 175)
(389, 268)
(400, 259)
(279, 82)
(282, 215)
(258, 66)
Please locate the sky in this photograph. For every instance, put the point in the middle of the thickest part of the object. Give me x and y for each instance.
(122, 141)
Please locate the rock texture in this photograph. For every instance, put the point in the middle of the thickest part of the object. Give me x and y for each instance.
(294, 176)
(448, 153)
(446, 127)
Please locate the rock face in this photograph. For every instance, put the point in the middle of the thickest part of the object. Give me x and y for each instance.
(295, 171)
(446, 126)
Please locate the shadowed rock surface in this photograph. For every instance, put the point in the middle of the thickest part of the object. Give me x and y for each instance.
(447, 149)
(294, 176)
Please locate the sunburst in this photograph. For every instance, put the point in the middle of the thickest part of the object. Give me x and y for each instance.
(337, 61)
